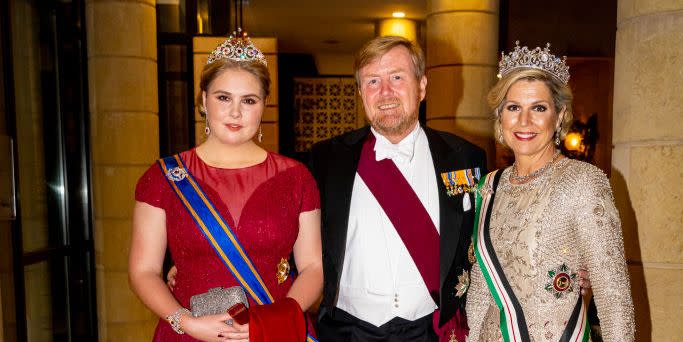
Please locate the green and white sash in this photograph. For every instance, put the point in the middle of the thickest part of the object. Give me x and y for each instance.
(513, 325)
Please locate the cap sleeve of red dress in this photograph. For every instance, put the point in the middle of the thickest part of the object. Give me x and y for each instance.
(152, 188)
(310, 199)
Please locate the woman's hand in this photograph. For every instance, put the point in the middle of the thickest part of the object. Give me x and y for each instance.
(211, 328)
(237, 333)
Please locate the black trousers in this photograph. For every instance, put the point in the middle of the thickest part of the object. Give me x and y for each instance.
(337, 325)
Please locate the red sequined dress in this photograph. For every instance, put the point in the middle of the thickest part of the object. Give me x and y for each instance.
(261, 203)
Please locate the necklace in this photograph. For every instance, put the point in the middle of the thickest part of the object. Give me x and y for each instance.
(515, 178)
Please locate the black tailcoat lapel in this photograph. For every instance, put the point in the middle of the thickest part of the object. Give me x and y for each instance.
(446, 159)
(451, 153)
(334, 164)
(340, 187)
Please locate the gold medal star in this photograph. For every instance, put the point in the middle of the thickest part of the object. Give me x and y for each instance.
(463, 284)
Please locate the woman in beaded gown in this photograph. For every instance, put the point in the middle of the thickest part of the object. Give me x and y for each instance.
(270, 202)
(543, 219)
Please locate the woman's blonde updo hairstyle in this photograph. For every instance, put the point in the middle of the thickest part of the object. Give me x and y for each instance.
(560, 92)
(211, 71)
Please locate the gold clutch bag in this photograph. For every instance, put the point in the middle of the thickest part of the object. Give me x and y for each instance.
(217, 300)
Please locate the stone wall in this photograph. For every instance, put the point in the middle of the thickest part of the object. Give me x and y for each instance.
(124, 135)
(648, 158)
(462, 51)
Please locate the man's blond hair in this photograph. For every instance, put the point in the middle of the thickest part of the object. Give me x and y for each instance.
(380, 46)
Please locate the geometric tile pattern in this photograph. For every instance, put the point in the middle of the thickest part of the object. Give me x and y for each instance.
(323, 107)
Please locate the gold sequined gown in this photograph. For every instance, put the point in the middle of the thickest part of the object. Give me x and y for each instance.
(564, 216)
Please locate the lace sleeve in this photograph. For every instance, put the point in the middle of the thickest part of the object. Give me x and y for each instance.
(310, 194)
(603, 249)
(152, 188)
(478, 301)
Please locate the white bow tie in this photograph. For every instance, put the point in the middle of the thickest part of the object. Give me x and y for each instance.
(401, 153)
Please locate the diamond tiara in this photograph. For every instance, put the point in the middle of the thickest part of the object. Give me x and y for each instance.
(541, 59)
(238, 47)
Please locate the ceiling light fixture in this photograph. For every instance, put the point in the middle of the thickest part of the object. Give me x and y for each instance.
(398, 14)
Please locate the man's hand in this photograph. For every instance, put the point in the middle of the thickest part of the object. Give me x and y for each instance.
(170, 278)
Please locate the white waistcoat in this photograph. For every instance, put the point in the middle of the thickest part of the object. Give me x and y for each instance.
(379, 279)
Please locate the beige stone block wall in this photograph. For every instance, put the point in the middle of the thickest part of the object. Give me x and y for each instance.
(124, 84)
(115, 232)
(655, 288)
(120, 306)
(647, 159)
(202, 47)
(437, 6)
(647, 99)
(462, 37)
(461, 50)
(115, 189)
(634, 8)
(120, 133)
(137, 331)
(129, 21)
(122, 69)
(656, 174)
(459, 89)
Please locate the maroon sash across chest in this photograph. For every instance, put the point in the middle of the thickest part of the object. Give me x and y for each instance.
(405, 211)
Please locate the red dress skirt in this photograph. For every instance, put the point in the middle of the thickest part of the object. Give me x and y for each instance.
(261, 203)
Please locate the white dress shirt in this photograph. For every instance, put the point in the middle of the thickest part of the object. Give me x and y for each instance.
(379, 279)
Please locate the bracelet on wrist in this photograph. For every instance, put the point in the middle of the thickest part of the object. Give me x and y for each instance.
(175, 318)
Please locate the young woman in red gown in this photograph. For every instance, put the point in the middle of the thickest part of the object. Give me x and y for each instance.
(270, 202)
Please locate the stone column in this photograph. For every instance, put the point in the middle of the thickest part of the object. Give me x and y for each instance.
(648, 158)
(462, 57)
(124, 133)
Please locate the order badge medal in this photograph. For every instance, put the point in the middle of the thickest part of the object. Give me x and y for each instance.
(561, 280)
(452, 337)
(463, 284)
(176, 174)
(470, 254)
(460, 181)
(282, 270)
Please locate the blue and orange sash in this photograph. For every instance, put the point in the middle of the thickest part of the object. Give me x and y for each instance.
(513, 325)
(216, 230)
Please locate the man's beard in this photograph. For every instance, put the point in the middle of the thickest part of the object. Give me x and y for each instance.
(393, 125)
